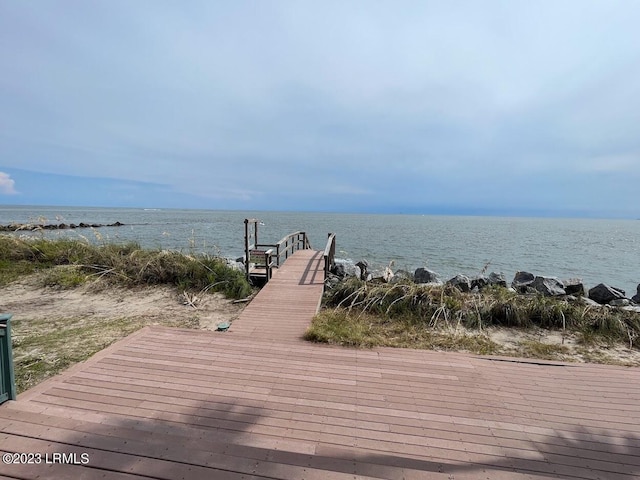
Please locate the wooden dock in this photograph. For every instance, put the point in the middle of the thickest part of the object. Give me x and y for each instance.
(283, 309)
(257, 402)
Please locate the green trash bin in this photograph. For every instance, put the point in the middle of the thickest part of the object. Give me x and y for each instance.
(7, 378)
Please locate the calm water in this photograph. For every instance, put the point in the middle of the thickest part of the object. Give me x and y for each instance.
(594, 250)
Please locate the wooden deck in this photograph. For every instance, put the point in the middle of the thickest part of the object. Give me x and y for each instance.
(258, 402)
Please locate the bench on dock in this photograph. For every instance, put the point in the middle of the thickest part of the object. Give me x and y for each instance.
(262, 258)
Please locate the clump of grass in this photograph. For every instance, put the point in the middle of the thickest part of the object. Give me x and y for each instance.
(124, 264)
(64, 276)
(409, 305)
(534, 349)
(341, 327)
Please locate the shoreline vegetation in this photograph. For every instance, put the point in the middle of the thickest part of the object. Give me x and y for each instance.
(537, 319)
(71, 298)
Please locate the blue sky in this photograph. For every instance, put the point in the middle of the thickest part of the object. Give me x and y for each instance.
(464, 107)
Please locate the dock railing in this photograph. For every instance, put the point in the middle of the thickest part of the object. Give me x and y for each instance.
(329, 254)
(261, 258)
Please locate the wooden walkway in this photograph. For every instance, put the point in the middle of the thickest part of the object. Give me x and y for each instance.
(259, 403)
(283, 309)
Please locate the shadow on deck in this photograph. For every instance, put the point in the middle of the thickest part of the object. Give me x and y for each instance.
(172, 403)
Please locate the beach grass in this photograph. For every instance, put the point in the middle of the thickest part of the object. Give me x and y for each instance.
(69, 262)
(43, 347)
(368, 314)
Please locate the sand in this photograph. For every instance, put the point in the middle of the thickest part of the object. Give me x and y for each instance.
(154, 305)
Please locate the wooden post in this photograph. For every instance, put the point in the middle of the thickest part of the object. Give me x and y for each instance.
(246, 247)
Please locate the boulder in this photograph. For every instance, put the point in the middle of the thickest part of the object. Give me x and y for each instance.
(332, 281)
(387, 275)
(361, 270)
(522, 281)
(497, 279)
(620, 302)
(591, 303)
(461, 282)
(574, 286)
(548, 286)
(603, 294)
(636, 297)
(401, 276)
(424, 275)
(339, 270)
(479, 282)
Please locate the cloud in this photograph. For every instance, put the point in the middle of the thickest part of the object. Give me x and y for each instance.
(248, 105)
(7, 184)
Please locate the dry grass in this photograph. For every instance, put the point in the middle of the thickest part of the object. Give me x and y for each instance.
(122, 264)
(42, 348)
(443, 318)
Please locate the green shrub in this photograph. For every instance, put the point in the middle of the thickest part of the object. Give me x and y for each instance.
(126, 264)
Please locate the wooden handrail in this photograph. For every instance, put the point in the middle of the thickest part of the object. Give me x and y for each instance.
(285, 247)
(291, 243)
(329, 254)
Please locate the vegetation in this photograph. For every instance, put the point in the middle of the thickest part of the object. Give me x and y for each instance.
(42, 348)
(125, 264)
(442, 317)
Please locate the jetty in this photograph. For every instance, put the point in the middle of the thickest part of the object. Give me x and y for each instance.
(32, 227)
(258, 402)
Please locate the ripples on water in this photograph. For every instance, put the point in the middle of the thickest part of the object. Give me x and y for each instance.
(594, 250)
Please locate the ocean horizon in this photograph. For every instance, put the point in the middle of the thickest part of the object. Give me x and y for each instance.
(594, 250)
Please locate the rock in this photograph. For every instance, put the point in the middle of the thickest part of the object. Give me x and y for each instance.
(587, 301)
(632, 308)
(424, 275)
(461, 282)
(620, 302)
(636, 297)
(573, 286)
(332, 281)
(387, 275)
(522, 280)
(361, 270)
(497, 279)
(479, 282)
(603, 294)
(339, 270)
(401, 276)
(548, 286)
